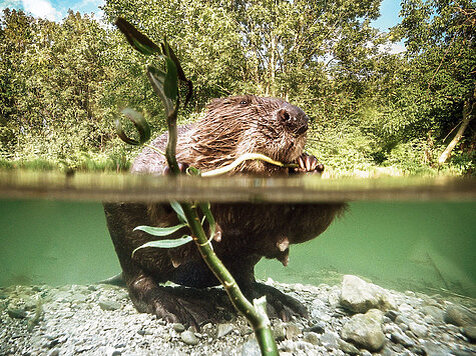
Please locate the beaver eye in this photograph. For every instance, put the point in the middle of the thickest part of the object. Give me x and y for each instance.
(243, 102)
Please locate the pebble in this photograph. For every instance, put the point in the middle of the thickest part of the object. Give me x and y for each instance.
(330, 340)
(251, 348)
(469, 332)
(292, 331)
(279, 331)
(401, 338)
(459, 316)
(360, 296)
(178, 327)
(312, 338)
(70, 324)
(418, 329)
(365, 330)
(224, 329)
(109, 305)
(16, 313)
(318, 327)
(347, 347)
(189, 338)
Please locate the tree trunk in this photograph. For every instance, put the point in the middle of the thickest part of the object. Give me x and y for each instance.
(468, 114)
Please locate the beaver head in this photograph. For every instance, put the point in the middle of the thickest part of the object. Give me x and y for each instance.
(247, 124)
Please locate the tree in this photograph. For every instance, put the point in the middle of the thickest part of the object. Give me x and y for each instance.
(440, 37)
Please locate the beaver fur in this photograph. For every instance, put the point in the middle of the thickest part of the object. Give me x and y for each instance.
(247, 232)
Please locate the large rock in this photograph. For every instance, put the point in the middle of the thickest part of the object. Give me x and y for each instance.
(360, 296)
(365, 330)
(460, 316)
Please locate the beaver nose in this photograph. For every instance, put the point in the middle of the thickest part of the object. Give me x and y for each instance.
(294, 119)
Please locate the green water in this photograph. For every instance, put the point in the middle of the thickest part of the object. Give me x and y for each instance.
(427, 246)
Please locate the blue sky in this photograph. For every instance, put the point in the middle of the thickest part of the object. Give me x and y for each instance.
(54, 9)
(57, 9)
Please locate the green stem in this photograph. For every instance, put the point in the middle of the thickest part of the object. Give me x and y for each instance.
(241, 159)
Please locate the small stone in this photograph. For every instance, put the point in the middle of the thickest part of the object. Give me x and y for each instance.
(224, 329)
(16, 313)
(365, 330)
(109, 305)
(318, 327)
(334, 298)
(114, 352)
(348, 347)
(460, 316)
(189, 337)
(78, 298)
(434, 312)
(402, 339)
(470, 333)
(433, 349)
(419, 330)
(54, 352)
(251, 348)
(330, 340)
(279, 331)
(360, 296)
(391, 314)
(292, 331)
(312, 338)
(178, 327)
(143, 332)
(387, 352)
(402, 320)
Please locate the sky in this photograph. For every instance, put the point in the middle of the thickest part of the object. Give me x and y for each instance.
(57, 9)
(54, 10)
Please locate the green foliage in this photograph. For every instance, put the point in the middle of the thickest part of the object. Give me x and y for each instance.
(63, 84)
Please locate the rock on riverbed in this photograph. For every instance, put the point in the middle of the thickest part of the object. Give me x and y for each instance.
(349, 319)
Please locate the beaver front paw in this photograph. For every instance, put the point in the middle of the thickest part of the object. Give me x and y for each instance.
(308, 164)
(279, 305)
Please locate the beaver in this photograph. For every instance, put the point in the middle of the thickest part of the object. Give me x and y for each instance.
(247, 232)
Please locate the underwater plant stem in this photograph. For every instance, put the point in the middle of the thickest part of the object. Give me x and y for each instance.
(255, 315)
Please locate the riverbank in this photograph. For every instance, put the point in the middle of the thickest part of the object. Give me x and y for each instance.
(354, 317)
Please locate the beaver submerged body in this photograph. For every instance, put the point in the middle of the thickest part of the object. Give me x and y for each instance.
(231, 127)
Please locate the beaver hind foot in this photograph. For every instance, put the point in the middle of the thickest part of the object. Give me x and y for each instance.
(195, 307)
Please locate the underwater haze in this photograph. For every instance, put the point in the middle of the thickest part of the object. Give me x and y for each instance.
(428, 246)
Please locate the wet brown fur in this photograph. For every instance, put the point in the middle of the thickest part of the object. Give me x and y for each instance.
(231, 127)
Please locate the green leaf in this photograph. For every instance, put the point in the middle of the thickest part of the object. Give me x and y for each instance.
(136, 39)
(166, 243)
(192, 171)
(160, 231)
(122, 135)
(180, 73)
(171, 82)
(139, 122)
(178, 209)
(156, 79)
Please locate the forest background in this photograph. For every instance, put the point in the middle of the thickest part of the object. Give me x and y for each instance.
(63, 83)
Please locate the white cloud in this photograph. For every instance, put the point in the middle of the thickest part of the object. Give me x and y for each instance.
(42, 8)
(393, 48)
